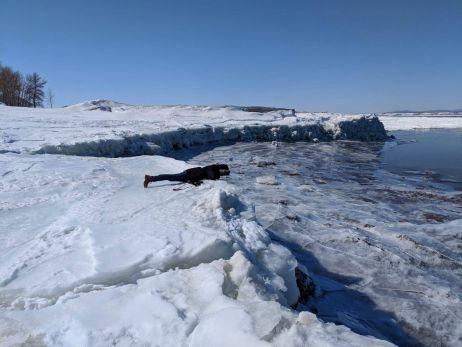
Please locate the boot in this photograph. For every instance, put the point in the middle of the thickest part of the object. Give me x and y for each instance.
(147, 179)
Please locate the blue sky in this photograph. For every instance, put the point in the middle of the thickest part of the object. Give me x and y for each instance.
(329, 55)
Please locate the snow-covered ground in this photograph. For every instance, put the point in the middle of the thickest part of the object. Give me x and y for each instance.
(91, 258)
(409, 121)
(134, 130)
(88, 257)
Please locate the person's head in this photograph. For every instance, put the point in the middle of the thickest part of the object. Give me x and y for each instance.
(223, 169)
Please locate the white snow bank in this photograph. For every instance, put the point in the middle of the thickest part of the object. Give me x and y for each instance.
(164, 142)
(88, 129)
(421, 120)
(136, 130)
(90, 257)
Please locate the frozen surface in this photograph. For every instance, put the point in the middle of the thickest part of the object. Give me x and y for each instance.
(377, 245)
(408, 121)
(111, 129)
(90, 129)
(90, 258)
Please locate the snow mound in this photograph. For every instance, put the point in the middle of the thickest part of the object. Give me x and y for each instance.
(99, 104)
(163, 143)
(84, 129)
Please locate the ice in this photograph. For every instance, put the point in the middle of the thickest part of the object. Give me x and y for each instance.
(269, 180)
(382, 249)
(85, 129)
(90, 257)
(409, 121)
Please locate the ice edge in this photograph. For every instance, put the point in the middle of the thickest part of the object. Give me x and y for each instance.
(364, 128)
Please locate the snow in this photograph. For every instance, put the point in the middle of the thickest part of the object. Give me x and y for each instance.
(89, 129)
(88, 257)
(409, 121)
(136, 130)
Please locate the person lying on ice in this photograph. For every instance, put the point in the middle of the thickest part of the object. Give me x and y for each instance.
(193, 176)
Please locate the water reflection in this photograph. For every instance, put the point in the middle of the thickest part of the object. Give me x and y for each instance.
(434, 155)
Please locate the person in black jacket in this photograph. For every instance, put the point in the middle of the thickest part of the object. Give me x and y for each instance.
(193, 176)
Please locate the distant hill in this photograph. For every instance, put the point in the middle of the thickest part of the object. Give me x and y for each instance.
(99, 104)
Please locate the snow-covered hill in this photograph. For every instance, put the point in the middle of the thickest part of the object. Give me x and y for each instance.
(99, 104)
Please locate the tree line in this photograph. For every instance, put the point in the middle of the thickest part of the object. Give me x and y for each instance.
(17, 89)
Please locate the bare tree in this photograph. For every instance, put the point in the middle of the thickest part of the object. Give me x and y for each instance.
(10, 86)
(50, 97)
(15, 90)
(34, 89)
(1, 84)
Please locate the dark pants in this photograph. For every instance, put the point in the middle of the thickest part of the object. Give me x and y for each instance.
(181, 177)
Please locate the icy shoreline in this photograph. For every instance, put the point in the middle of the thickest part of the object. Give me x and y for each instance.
(362, 232)
(360, 129)
(90, 257)
(419, 121)
(131, 130)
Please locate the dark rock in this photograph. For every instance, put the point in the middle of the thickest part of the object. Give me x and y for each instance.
(305, 286)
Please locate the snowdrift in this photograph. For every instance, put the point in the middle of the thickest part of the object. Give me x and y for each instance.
(86, 129)
(163, 143)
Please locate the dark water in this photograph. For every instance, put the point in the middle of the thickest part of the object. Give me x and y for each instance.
(432, 154)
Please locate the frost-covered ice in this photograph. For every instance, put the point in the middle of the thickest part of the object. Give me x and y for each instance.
(90, 129)
(269, 180)
(381, 248)
(409, 121)
(90, 257)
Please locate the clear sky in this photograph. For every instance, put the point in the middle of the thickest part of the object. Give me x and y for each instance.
(322, 55)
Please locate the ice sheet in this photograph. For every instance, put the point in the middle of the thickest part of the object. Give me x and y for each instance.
(381, 248)
(89, 257)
